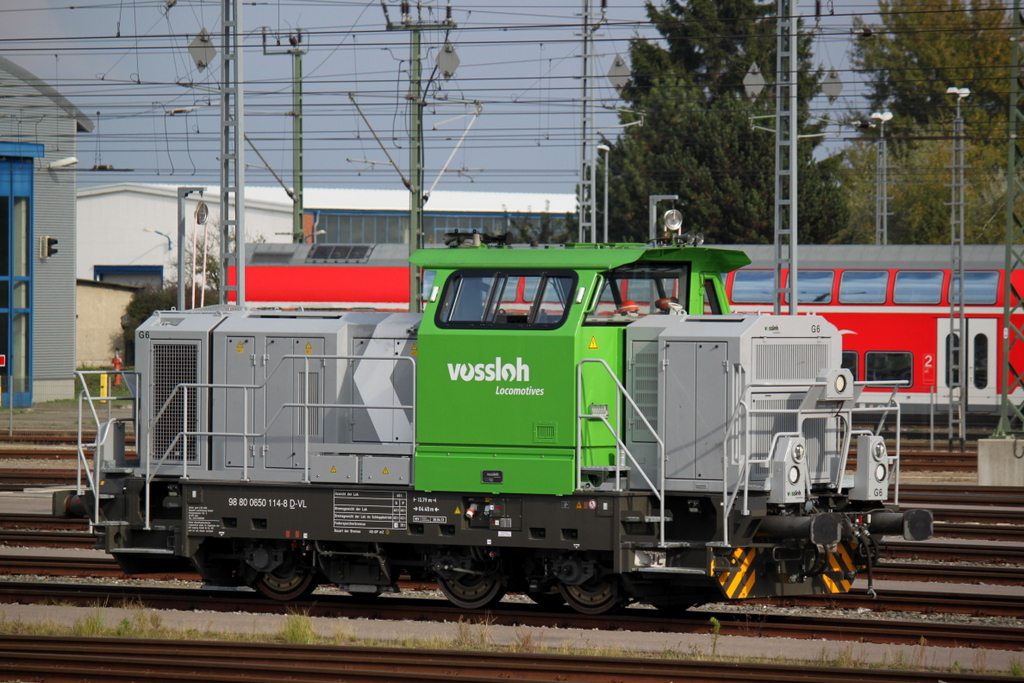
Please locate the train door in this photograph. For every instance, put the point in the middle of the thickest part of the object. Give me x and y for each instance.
(239, 369)
(291, 383)
(980, 347)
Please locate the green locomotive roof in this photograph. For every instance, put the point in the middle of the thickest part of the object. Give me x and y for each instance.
(589, 256)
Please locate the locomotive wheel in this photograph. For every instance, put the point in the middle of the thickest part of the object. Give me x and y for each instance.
(292, 584)
(596, 596)
(473, 591)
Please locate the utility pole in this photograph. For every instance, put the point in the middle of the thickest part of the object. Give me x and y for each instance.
(956, 347)
(295, 39)
(588, 153)
(1011, 414)
(786, 114)
(232, 155)
(417, 198)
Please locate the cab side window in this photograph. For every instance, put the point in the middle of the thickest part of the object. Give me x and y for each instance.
(505, 300)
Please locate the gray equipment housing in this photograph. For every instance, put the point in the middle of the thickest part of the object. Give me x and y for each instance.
(700, 382)
(279, 395)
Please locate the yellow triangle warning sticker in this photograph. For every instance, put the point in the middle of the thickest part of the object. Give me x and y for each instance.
(593, 343)
(309, 348)
(414, 350)
(579, 506)
(457, 510)
(385, 471)
(334, 470)
(240, 348)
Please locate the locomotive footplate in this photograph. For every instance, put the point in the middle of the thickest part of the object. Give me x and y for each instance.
(400, 515)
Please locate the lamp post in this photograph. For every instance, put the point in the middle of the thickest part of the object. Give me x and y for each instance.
(157, 232)
(606, 149)
(882, 181)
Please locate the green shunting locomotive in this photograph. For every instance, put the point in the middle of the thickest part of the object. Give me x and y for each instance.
(585, 424)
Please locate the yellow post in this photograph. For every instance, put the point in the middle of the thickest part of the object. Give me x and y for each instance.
(104, 381)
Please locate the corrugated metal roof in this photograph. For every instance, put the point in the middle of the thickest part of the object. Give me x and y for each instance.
(84, 123)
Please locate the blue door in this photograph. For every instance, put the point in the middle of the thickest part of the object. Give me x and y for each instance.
(16, 257)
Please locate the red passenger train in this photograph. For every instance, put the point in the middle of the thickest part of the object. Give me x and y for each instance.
(893, 305)
(892, 302)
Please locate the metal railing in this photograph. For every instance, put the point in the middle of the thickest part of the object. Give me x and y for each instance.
(104, 428)
(620, 446)
(738, 442)
(184, 435)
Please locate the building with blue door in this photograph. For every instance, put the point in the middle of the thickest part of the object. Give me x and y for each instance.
(38, 131)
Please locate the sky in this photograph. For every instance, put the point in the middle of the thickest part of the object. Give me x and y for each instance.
(126, 65)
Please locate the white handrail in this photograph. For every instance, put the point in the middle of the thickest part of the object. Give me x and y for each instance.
(658, 491)
(744, 460)
(246, 435)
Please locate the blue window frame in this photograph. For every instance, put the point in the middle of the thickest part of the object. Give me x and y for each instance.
(16, 270)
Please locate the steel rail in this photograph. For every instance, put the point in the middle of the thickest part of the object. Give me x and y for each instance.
(749, 623)
(134, 659)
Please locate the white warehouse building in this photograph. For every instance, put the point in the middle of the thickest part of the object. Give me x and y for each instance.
(127, 232)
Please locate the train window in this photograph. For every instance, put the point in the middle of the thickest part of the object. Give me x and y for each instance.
(918, 287)
(640, 289)
(980, 361)
(953, 359)
(850, 362)
(888, 366)
(980, 287)
(815, 287)
(427, 278)
(753, 286)
(506, 300)
(712, 306)
(863, 286)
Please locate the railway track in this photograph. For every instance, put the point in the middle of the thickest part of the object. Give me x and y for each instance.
(746, 623)
(88, 566)
(17, 479)
(173, 661)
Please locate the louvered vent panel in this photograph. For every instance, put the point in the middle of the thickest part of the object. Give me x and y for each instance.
(311, 396)
(174, 364)
(644, 390)
(764, 427)
(790, 361)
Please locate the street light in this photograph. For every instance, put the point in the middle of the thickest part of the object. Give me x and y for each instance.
(882, 181)
(606, 149)
(167, 237)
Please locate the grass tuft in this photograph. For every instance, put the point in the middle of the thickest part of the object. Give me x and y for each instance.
(298, 630)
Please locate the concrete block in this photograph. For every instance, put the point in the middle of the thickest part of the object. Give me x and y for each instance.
(1001, 462)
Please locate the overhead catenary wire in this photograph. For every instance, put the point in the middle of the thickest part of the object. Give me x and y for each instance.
(512, 95)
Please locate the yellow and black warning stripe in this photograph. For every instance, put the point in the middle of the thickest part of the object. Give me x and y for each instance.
(840, 566)
(741, 577)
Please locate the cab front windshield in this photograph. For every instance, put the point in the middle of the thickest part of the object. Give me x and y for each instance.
(635, 291)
